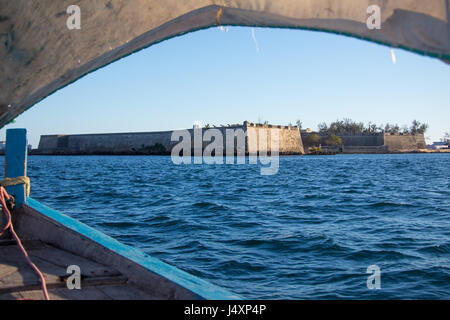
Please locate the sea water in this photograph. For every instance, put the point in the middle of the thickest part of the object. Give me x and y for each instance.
(315, 230)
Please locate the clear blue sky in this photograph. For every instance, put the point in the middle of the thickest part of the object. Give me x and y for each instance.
(220, 77)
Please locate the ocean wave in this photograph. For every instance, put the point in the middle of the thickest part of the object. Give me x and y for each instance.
(308, 232)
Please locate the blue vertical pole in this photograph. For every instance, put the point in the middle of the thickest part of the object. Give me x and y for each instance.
(16, 162)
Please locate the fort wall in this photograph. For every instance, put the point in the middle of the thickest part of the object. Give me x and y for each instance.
(290, 141)
(48, 142)
(116, 143)
(404, 143)
(289, 138)
(375, 143)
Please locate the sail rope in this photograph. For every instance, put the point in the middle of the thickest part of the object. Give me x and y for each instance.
(4, 197)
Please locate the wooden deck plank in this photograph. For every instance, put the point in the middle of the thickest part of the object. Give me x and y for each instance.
(99, 282)
(28, 280)
(113, 292)
(18, 282)
(57, 257)
(6, 270)
(54, 259)
(53, 294)
(64, 259)
(125, 292)
(17, 274)
(24, 276)
(90, 293)
(11, 296)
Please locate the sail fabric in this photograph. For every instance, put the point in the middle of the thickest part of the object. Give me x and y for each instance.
(42, 49)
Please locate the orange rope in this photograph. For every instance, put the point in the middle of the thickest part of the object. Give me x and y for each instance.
(4, 195)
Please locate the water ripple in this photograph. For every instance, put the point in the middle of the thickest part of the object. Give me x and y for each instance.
(308, 232)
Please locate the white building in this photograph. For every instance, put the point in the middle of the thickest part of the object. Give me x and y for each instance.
(439, 145)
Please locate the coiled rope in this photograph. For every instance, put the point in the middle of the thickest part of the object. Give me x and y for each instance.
(8, 182)
(4, 196)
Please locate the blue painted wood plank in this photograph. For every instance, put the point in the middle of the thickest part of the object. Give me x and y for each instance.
(16, 161)
(201, 288)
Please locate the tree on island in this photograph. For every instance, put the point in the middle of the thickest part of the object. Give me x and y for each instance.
(343, 127)
(313, 140)
(372, 128)
(333, 140)
(418, 127)
(392, 128)
(404, 129)
(350, 127)
(322, 127)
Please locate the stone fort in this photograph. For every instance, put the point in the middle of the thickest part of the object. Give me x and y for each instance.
(257, 138)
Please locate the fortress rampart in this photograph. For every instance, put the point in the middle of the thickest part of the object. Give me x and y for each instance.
(258, 138)
(290, 141)
(404, 143)
(377, 143)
